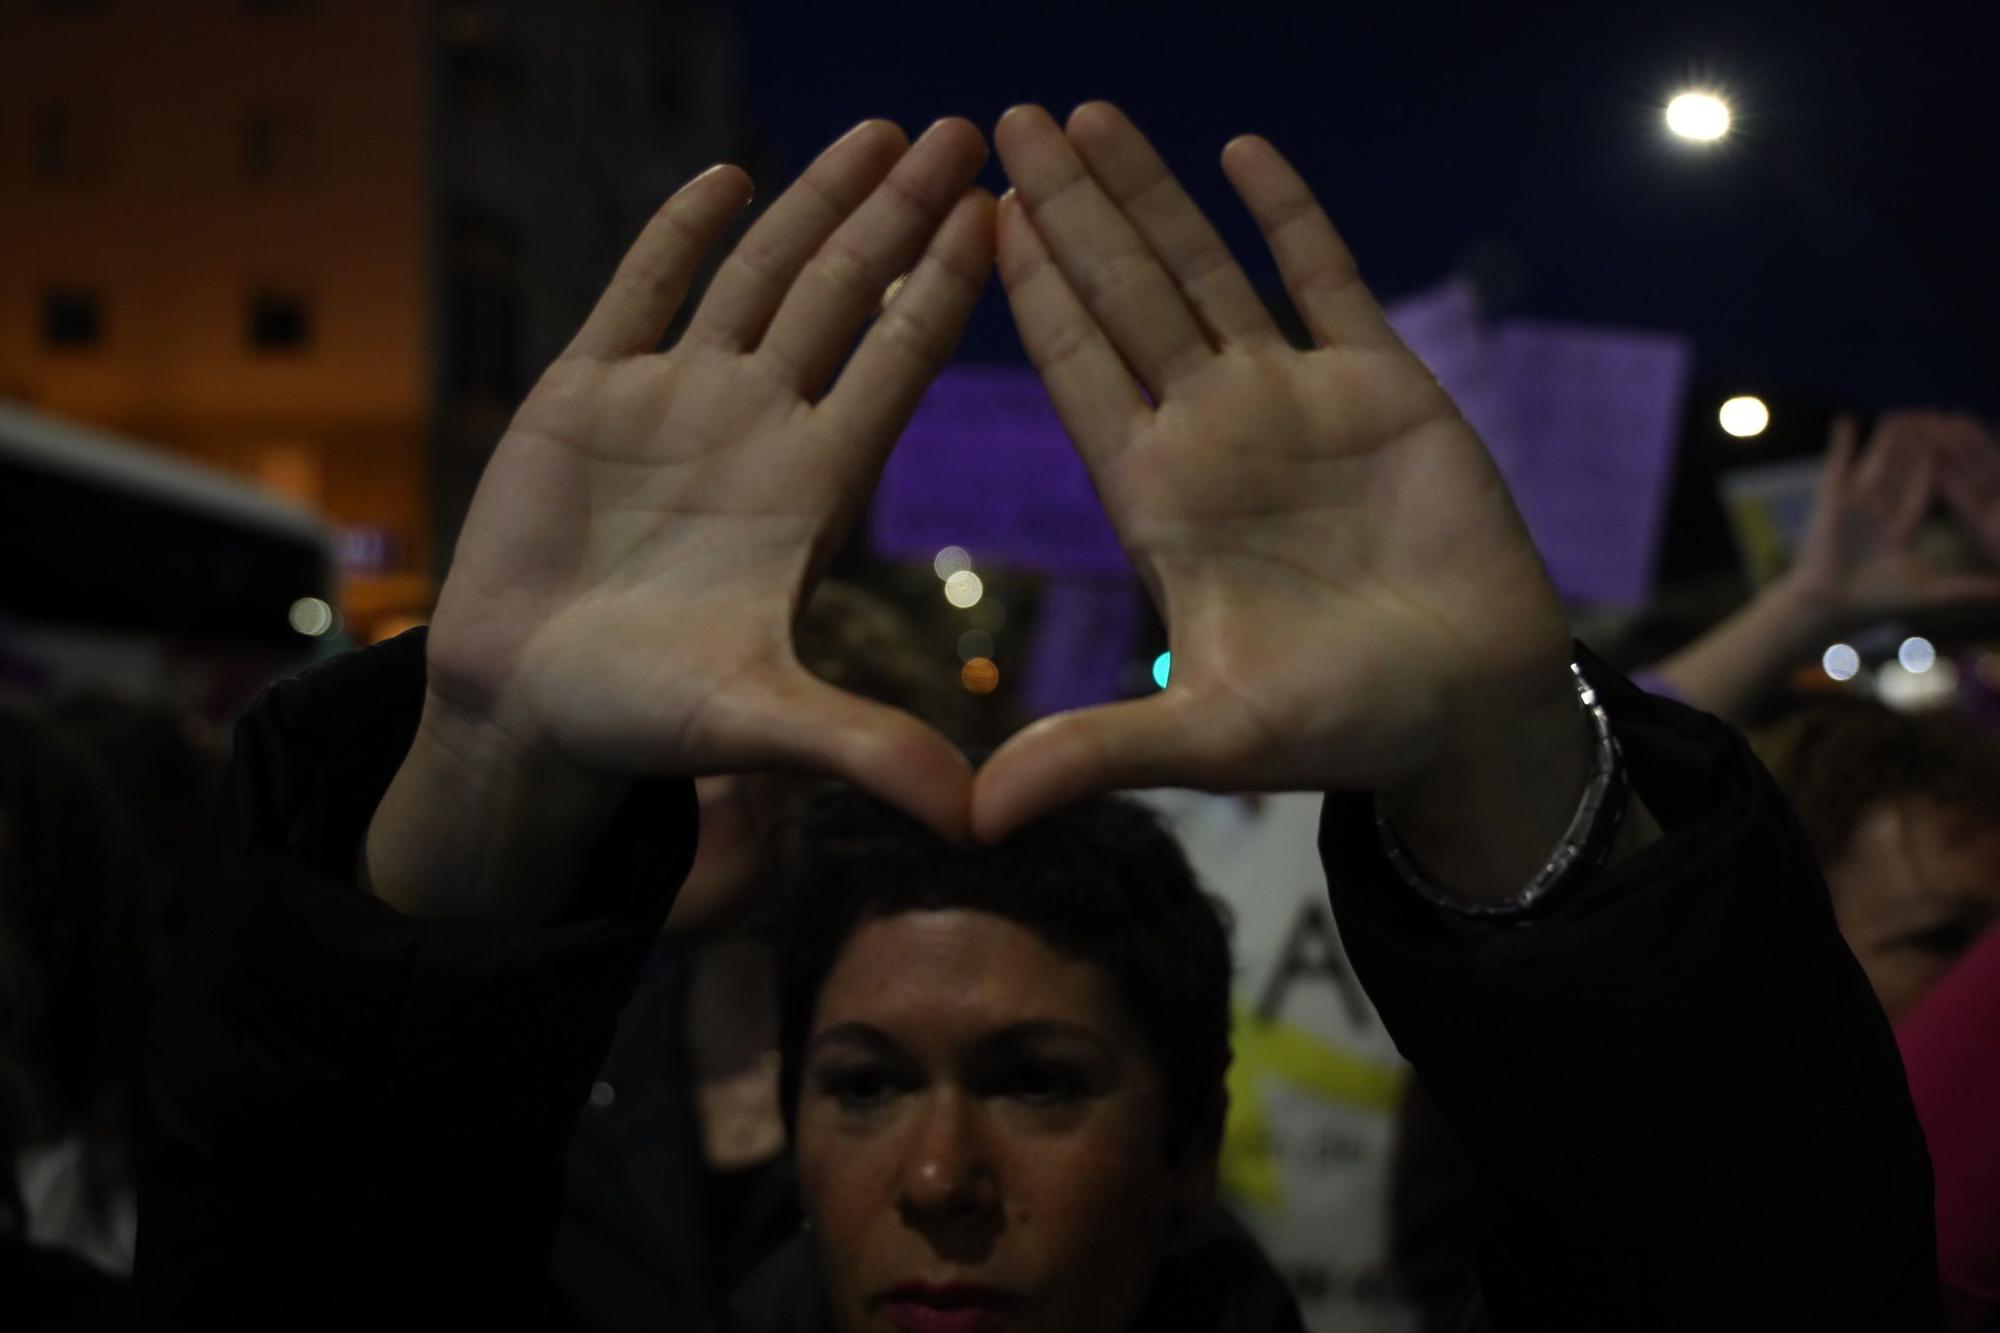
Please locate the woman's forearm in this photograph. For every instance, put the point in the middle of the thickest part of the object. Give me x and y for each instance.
(1728, 669)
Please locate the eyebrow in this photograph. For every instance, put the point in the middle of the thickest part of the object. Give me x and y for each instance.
(1028, 1032)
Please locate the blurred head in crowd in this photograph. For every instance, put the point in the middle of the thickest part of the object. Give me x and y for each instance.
(1004, 1065)
(1904, 813)
(866, 646)
(73, 961)
(166, 772)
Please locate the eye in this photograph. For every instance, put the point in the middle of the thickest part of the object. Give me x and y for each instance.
(1038, 1083)
(1947, 940)
(859, 1087)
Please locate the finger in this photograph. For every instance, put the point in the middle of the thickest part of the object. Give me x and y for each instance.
(1138, 181)
(1133, 299)
(880, 749)
(842, 286)
(1093, 392)
(1976, 505)
(1843, 442)
(1314, 262)
(751, 283)
(1916, 486)
(652, 280)
(1888, 450)
(911, 341)
(1152, 742)
(1836, 476)
(1969, 454)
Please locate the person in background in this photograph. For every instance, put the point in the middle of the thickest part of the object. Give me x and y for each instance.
(165, 770)
(1862, 558)
(72, 986)
(1903, 812)
(1951, 1051)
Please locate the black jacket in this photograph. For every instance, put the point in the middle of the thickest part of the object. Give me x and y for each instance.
(1679, 1088)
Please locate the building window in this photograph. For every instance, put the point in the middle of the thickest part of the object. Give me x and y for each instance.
(279, 322)
(277, 147)
(72, 318)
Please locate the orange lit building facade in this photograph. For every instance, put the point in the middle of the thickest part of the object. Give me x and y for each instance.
(215, 236)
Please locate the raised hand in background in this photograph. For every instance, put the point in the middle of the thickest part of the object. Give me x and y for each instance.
(1863, 556)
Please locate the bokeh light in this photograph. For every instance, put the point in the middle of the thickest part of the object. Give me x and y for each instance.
(964, 589)
(1935, 687)
(1917, 654)
(1744, 416)
(311, 617)
(980, 675)
(1162, 667)
(1698, 116)
(1841, 662)
(990, 615)
(974, 643)
(951, 560)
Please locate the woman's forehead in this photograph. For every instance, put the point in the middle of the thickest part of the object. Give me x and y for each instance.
(1915, 853)
(961, 972)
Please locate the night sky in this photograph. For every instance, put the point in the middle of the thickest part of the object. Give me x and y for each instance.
(1843, 244)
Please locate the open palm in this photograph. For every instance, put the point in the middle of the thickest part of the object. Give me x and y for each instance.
(625, 588)
(1347, 587)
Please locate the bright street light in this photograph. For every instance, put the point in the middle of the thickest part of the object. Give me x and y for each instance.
(1702, 117)
(1744, 416)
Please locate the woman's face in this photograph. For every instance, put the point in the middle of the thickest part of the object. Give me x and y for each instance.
(979, 1134)
(1918, 884)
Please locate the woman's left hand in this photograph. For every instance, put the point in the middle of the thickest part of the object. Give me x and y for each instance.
(1351, 597)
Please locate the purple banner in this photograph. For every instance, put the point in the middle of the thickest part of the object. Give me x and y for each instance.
(1596, 418)
(986, 465)
(1083, 640)
(1582, 421)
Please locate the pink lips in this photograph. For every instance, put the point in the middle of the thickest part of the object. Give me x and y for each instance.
(919, 1308)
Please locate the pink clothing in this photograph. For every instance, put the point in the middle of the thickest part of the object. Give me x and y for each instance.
(1951, 1050)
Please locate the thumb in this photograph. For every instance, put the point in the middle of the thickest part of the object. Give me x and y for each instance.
(1158, 741)
(883, 750)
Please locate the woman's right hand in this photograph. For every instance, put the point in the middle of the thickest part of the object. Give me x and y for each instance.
(1861, 558)
(621, 601)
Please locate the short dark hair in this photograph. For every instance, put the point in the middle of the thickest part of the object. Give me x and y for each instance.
(1101, 881)
(1837, 758)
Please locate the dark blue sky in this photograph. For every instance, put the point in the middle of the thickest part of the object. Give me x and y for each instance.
(1845, 243)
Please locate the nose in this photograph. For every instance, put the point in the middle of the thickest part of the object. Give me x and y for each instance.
(950, 1186)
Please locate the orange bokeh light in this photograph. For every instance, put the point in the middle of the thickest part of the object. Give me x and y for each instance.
(980, 675)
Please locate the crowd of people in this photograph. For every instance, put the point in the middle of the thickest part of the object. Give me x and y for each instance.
(638, 947)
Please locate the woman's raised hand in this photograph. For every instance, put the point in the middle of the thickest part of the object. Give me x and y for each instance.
(1351, 598)
(622, 597)
(1862, 556)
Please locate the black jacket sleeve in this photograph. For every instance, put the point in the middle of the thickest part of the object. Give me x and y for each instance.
(1685, 1105)
(354, 1116)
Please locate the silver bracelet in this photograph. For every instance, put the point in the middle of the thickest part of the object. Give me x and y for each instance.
(1585, 847)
